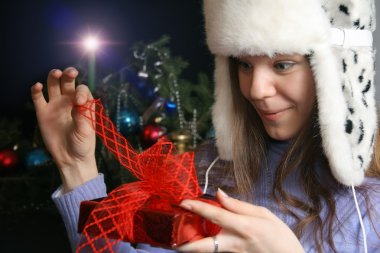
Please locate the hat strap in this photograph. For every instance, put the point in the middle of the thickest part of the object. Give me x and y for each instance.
(351, 37)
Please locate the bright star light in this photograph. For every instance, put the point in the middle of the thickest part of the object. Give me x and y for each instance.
(91, 43)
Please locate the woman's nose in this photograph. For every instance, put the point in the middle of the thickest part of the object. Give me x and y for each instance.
(262, 84)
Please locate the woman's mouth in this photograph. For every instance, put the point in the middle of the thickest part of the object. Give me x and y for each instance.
(273, 115)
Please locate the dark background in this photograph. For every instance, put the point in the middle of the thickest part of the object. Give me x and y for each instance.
(40, 35)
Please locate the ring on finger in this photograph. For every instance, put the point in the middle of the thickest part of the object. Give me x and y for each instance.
(216, 244)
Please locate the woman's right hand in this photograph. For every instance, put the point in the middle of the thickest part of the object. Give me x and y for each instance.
(67, 135)
(245, 228)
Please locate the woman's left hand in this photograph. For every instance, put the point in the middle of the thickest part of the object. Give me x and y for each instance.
(245, 228)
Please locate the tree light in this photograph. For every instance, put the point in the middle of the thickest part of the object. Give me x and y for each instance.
(91, 43)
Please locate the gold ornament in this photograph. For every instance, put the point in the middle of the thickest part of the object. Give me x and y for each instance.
(182, 140)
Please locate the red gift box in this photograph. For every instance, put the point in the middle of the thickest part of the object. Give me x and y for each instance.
(158, 223)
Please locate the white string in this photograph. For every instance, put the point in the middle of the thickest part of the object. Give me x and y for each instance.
(206, 176)
(360, 219)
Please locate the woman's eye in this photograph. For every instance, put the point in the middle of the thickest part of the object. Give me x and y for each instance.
(244, 66)
(283, 66)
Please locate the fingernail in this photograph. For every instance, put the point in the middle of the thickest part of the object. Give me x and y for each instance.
(222, 193)
(71, 70)
(54, 71)
(185, 205)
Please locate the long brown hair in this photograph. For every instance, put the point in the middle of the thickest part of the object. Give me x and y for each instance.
(303, 154)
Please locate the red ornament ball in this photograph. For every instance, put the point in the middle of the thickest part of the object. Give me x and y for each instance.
(151, 133)
(8, 158)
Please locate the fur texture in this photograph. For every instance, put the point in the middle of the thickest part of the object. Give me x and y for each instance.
(344, 76)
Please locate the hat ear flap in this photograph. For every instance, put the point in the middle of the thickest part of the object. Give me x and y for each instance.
(332, 112)
(222, 111)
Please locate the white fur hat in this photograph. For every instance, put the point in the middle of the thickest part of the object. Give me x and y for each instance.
(344, 74)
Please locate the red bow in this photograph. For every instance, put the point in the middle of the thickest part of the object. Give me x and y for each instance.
(143, 211)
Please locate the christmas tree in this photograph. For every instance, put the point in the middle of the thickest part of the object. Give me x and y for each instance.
(146, 99)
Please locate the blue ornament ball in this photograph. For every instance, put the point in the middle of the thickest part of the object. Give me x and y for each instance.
(146, 88)
(36, 157)
(141, 84)
(128, 121)
(170, 107)
(150, 93)
(130, 76)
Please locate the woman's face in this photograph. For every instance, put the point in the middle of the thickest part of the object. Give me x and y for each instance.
(281, 89)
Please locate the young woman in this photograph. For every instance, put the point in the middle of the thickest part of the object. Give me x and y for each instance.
(295, 123)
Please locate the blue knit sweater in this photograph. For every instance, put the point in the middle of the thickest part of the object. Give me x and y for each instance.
(347, 232)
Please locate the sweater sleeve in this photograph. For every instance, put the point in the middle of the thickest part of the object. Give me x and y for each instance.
(68, 206)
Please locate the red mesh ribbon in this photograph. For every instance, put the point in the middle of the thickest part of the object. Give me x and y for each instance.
(165, 178)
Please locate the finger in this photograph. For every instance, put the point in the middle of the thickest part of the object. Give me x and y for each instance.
(82, 97)
(38, 97)
(53, 84)
(68, 81)
(241, 207)
(216, 215)
(203, 245)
